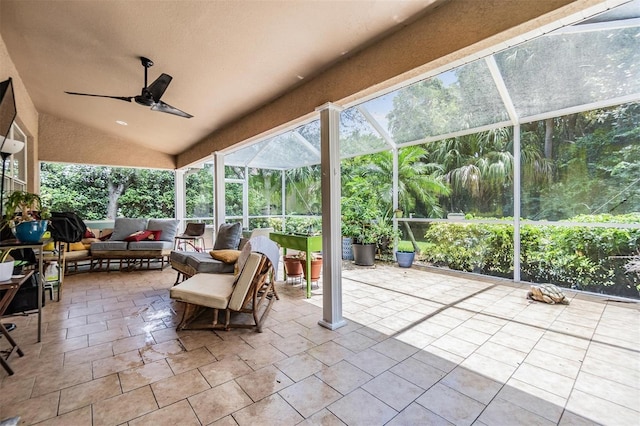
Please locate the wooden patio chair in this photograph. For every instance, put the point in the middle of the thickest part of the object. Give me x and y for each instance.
(248, 293)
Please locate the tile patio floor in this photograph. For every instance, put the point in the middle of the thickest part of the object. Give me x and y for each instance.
(419, 348)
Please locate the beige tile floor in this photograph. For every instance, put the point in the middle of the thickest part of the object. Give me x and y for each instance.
(419, 348)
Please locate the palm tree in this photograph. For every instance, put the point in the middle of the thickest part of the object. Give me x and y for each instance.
(479, 167)
(420, 184)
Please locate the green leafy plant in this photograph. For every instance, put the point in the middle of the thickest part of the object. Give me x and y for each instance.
(22, 206)
(359, 213)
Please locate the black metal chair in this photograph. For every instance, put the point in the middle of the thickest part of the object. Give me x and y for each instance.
(192, 238)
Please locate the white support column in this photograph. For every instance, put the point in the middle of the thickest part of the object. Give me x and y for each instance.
(516, 202)
(331, 217)
(283, 179)
(218, 191)
(245, 199)
(394, 183)
(180, 189)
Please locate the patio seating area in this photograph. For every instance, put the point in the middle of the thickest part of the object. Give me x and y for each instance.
(419, 348)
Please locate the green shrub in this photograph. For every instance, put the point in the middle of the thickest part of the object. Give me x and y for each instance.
(587, 258)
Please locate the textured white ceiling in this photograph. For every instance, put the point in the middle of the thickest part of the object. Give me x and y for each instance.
(226, 58)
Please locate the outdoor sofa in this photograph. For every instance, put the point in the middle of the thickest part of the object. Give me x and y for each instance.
(131, 243)
(135, 241)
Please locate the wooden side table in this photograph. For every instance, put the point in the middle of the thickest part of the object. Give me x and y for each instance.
(10, 289)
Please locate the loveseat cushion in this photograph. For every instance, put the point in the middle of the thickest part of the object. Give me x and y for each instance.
(150, 245)
(125, 226)
(201, 262)
(228, 236)
(108, 245)
(169, 228)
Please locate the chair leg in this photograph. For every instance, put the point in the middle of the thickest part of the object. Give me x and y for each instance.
(227, 319)
(215, 317)
(187, 314)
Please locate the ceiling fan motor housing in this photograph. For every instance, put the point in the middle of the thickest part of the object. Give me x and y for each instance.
(145, 98)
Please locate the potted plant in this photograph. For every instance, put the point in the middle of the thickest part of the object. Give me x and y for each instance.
(316, 265)
(405, 258)
(347, 240)
(358, 217)
(25, 215)
(292, 266)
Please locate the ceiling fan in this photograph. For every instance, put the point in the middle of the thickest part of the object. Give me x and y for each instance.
(150, 95)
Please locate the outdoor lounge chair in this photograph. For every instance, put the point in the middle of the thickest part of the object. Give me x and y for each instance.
(244, 294)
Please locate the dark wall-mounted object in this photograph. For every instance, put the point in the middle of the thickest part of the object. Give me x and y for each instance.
(7, 109)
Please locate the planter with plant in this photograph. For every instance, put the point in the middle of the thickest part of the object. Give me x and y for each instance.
(316, 265)
(405, 258)
(293, 266)
(25, 216)
(359, 213)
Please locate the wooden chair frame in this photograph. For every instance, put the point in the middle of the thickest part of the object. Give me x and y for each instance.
(261, 291)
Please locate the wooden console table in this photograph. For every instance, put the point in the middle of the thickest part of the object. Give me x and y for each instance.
(10, 288)
(15, 244)
(306, 243)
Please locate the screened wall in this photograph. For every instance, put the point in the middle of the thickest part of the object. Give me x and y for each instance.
(536, 146)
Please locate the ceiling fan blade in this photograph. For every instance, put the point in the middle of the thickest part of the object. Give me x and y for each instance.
(122, 98)
(163, 107)
(158, 87)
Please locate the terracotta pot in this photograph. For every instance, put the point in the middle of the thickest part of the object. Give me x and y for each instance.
(293, 266)
(316, 268)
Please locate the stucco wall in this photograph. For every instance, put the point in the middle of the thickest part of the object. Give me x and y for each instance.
(27, 117)
(61, 140)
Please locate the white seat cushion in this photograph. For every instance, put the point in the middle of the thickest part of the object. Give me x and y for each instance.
(211, 290)
(217, 290)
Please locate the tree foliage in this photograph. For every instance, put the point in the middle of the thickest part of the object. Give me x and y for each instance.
(87, 190)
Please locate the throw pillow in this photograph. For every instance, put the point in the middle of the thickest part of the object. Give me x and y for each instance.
(228, 236)
(88, 234)
(154, 236)
(76, 246)
(226, 256)
(138, 236)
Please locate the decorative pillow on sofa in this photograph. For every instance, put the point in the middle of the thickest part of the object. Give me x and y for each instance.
(76, 246)
(225, 255)
(138, 236)
(228, 236)
(155, 235)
